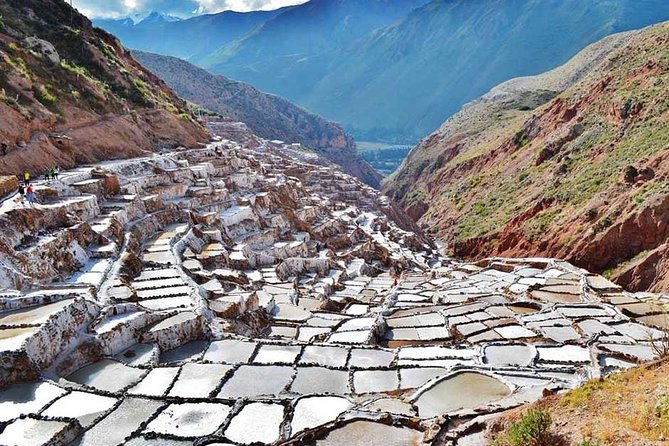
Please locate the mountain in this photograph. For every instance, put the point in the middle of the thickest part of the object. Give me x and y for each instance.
(449, 52)
(155, 18)
(70, 94)
(268, 116)
(571, 164)
(293, 50)
(394, 70)
(185, 38)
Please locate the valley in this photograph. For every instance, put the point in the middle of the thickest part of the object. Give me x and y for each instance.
(385, 158)
(182, 297)
(390, 71)
(188, 259)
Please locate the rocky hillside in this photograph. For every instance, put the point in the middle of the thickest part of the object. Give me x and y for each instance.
(572, 164)
(266, 115)
(70, 94)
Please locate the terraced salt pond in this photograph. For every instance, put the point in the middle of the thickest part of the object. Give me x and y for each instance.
(465, 390)
(243, 296)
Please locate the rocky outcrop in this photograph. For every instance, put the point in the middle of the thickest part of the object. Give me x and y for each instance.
(568, 164)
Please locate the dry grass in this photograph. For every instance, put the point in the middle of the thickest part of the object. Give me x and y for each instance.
(625, 409)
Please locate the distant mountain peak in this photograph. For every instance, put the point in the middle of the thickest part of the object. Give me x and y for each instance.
(157, 18)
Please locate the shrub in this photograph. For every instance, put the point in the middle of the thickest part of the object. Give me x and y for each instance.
(533, 429)
(74, 69)
(43, 95)
(662, 414)
(521, 139)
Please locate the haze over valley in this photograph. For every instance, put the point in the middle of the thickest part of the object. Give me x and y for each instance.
(389, 70)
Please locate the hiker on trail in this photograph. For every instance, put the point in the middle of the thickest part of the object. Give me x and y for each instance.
(47, 175)
(26, 177)
(22, 192)
(30, 195)
(4, 148)
(396, 273)
(56, 171)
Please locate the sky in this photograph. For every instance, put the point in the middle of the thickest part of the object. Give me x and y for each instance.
(180, 8)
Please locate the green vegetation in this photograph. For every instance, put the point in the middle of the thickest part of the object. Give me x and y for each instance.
(521, 139)
(19, 65)
(140, 93)
(43, 95)
(647, 191)
(74, 69)
(603, 224)
(580, 396)
(539, 225)
(533, 429)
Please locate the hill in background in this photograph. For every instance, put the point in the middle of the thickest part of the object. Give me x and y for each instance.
(392, 70)
(266, 115)
(572, 164)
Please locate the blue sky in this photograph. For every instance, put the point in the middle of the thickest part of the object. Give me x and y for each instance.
(180, 8)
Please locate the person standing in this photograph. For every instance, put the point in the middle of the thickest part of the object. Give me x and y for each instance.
(22, 192)
(56, 171)
(30, 195)
(26, 177)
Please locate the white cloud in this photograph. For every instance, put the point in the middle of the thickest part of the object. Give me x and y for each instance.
(181, 8)
(209, 6)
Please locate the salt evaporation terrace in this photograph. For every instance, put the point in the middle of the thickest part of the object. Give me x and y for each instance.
(240, 294)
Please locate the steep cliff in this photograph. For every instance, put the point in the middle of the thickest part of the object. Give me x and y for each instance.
(570, 164)
(70, 93)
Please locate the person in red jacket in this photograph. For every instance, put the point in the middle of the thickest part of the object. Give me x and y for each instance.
(30, 195)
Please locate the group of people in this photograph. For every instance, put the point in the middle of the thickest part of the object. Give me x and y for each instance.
(26, 190)
(51, 174)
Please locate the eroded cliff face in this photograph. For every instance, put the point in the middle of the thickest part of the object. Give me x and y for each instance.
(576, 170)
(70, 94)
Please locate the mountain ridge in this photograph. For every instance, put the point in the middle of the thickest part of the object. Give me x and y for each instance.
(433, 56)
(577, 174)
